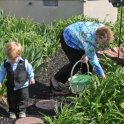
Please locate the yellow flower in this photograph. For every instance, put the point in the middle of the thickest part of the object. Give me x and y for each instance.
(122, 105)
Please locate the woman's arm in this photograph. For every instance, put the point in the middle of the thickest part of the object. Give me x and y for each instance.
(93, 59)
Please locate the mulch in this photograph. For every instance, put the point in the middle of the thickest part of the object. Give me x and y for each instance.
(42, 91)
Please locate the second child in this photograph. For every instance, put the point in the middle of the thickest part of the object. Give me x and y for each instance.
(20, 75)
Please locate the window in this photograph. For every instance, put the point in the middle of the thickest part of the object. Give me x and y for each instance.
(50, 2)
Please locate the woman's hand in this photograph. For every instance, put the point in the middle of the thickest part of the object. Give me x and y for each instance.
(103, 77)
(32, 82)
(84, 58)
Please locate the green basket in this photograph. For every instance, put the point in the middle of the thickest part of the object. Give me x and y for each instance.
(79, 81)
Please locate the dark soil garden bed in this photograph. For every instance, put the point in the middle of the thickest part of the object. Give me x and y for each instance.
(41, 90)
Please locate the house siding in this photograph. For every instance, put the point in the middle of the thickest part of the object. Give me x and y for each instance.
(36, 10)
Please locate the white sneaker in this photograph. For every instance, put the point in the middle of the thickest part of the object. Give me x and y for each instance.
(22, 115)
(12, 115)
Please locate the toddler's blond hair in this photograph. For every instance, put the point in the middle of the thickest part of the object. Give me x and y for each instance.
(13, 49)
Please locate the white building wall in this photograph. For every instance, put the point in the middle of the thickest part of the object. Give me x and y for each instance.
(100, 9)
(38, 12)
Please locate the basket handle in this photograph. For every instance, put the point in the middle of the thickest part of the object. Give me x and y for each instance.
(76, 65)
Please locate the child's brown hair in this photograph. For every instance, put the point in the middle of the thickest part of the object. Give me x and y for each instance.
(13, 49)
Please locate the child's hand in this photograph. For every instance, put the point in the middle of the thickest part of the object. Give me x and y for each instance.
(32, 82)
(0, 86)
(84, 58)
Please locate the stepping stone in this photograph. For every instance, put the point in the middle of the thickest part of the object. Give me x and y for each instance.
(47, 105)
(29, 120)
(113, 54)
